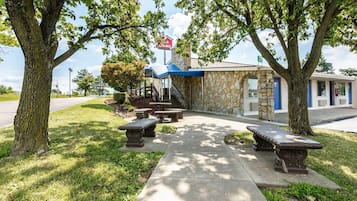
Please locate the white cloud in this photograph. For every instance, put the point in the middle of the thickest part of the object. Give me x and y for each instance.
(179, 23)
(94, 48)
(12, 81)
(94, 69)
(340, 57)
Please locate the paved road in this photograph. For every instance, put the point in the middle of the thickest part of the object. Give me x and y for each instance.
(348, 125)
(8, 108)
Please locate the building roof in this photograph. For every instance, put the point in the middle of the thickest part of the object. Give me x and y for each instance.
(224, 66)
(160, 71)
(332, 76)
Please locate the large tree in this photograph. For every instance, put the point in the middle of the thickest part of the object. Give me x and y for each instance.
(40, 25)
(218, 25)
(85, 81)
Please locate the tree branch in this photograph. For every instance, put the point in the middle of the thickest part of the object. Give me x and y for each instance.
(262, 49)
(315, 52)
(85, 38)
(275, 27)
(50, 16)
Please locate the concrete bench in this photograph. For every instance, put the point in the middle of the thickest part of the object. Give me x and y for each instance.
(142, 113)
(135, 131)
(290, 149)
(180, 110)
(174, 115)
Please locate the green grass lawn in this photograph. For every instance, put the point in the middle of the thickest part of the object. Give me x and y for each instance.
(9, 97)
(83, 163)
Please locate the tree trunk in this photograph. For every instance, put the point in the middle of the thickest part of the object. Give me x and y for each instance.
(31, 121)
(298, 109)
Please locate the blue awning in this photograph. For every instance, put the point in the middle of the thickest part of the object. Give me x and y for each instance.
(160, 71)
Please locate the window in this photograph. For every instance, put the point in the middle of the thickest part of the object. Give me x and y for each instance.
(252, 88)
(321, 88)
(341, 89)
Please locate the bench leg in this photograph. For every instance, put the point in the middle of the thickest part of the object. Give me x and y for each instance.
(140, 115)
(146, 114)
(161, 118)
(174, 117)
(261, 144)
(135, 138)
(291, 161)
(150, 131)
(180, 116)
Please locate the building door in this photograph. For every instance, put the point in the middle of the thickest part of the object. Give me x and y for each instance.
(309, 102)
(332, 93)
(349, 93)
(277, 96)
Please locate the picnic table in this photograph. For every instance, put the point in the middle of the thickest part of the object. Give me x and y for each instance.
(159, 105)
(142, 113)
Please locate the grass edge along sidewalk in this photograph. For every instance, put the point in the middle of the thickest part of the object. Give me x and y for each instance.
(337, 161)
(83, 163)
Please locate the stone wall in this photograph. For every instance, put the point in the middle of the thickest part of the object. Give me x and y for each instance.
(223, 92)
(266, 95)
(182, 62)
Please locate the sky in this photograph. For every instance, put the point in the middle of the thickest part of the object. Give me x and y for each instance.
(11, 69)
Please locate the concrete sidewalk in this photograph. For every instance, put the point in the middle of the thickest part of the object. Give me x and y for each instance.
(197, 166)
(319, 116)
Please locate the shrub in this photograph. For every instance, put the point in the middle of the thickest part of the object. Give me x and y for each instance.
(119, 97)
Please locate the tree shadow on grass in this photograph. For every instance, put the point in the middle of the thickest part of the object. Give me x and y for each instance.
(98, 106)
(83, 163)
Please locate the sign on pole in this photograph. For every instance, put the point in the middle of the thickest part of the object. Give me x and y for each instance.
(165, 43)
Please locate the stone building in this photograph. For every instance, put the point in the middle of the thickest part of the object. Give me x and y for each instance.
(241, 89)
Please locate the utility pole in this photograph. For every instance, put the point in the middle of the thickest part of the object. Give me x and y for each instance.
(70, 81)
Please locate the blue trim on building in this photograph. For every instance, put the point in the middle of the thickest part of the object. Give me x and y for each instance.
(309, 101)
(349, 93)
(160, 71)
(277, 93)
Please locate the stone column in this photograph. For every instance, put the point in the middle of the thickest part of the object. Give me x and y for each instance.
(266, 94)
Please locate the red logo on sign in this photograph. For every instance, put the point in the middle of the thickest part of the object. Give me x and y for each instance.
(165, 43)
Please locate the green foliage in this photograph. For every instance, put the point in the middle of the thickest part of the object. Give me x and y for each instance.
(324, 66)
(119, 97)
(9, 97)
(7, 36)
(126, 57)
(217, 26)
(349, 71)
(239, 137)
(5, 90)
(84, 80)
(166, 129)
(121, 76)
(84, 161)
